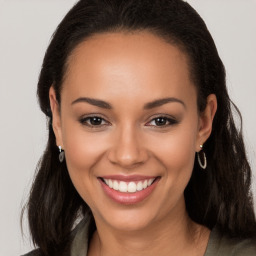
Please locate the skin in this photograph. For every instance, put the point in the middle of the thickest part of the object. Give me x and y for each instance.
(129, 70)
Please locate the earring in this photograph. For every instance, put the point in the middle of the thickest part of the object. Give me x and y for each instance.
(61, 155)
(201, 155)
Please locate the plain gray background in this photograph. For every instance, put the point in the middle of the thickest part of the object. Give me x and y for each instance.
(25, 30)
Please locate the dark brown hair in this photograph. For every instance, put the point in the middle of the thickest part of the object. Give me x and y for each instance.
(218, 196)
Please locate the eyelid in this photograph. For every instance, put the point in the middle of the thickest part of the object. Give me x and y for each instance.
(93, 115)
(169, 118)
(83, 119)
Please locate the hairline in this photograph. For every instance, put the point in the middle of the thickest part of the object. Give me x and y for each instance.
(172, 40)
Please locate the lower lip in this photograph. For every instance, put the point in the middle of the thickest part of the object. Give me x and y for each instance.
(128, 198)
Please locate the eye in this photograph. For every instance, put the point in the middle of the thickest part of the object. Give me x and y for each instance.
(162, 121)
(93, 121)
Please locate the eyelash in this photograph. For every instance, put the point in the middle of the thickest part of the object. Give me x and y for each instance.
(170, 121)
(85, 121)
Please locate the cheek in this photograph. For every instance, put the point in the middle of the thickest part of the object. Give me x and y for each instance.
(82, 148)
(176, 152)
(83, 151)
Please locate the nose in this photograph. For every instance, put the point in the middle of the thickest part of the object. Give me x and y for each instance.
(127, 149)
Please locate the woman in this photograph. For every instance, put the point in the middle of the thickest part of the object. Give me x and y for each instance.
(142, 143)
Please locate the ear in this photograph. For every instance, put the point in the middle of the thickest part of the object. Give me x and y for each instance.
(206, 120)
(56, 120)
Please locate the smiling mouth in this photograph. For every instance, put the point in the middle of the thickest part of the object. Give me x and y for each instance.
(129, 187)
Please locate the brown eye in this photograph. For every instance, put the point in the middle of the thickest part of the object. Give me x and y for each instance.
(93, 121)
(162, 121)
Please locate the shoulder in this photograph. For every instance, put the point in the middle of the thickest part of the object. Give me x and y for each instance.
(33, 253)
(77, 243)
(239, 247)
(223, 245)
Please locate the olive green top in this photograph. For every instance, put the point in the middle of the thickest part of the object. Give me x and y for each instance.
(218, 244)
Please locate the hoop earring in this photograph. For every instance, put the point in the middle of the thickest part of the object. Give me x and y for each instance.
(201, 155)
(61, 155)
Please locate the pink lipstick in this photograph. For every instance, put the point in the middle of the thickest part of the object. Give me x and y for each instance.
(128, 189)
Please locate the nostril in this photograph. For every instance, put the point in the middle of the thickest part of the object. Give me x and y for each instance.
(127, 158)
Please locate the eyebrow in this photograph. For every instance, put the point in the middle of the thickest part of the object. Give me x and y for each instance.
(160, 102)
(94, 102)
(149, 105)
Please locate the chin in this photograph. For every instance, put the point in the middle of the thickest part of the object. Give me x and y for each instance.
(128, 219)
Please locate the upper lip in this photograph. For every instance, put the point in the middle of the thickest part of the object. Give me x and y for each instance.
(128, 177)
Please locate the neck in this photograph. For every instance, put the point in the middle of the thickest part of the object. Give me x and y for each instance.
(174, 235)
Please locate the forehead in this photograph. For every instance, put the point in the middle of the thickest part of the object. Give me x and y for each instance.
(127, 63)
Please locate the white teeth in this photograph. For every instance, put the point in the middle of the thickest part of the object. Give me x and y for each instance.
(123, 187)
(139, 186)
(145, 184)
(150, 182)
(115, 185)
(129, 187)
(132, 187)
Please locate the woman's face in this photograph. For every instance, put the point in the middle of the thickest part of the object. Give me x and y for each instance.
(130, 127)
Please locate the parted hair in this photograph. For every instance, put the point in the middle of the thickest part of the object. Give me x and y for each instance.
(220, 195)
